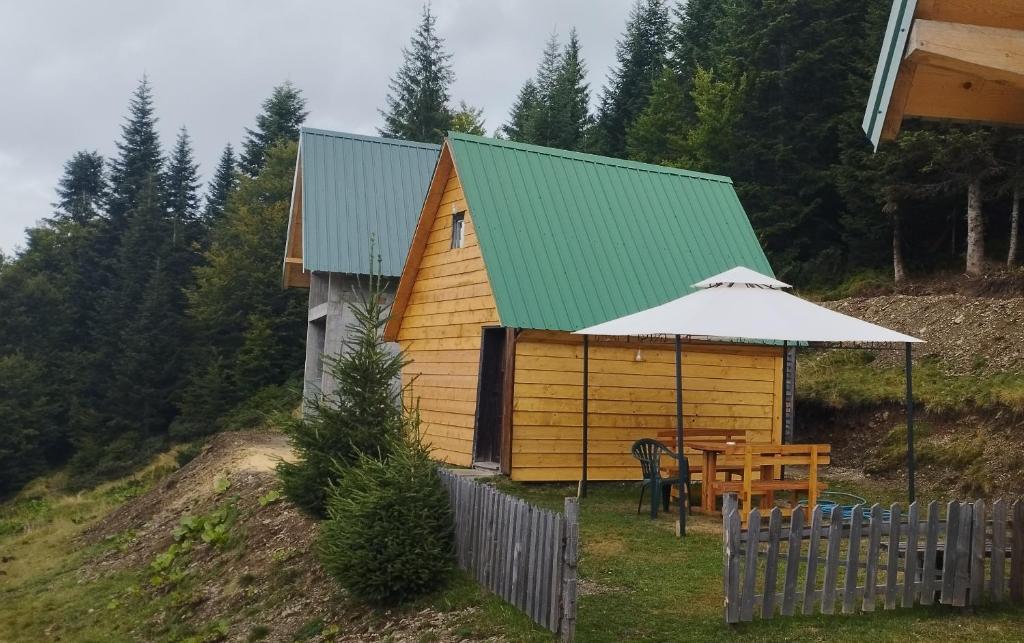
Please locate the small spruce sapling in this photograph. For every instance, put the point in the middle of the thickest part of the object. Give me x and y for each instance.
(362, 416)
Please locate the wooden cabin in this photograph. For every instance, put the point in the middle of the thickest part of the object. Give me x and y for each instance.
(959, 60)
(348, 190)
(517, 246)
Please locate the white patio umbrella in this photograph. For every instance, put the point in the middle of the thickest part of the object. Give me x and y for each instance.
(741, 304)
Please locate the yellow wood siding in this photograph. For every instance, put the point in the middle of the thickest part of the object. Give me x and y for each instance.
(725, 387)
(450, 300)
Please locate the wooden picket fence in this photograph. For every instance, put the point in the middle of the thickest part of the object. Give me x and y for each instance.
(525, 554)
(893, 558)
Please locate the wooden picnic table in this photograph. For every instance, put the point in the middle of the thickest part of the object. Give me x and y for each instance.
(744, 459)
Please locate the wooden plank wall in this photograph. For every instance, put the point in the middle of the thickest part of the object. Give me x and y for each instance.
(450, 301)
(724, 387)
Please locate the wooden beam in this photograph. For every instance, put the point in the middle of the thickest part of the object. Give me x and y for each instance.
(950, 95)
(989, 53)
(898, 103)
(1007, 14)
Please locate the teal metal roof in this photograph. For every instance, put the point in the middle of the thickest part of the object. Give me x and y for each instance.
(893, 46)
(570, 240)
(357, 186)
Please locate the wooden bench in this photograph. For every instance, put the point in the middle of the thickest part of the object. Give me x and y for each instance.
(766, 459)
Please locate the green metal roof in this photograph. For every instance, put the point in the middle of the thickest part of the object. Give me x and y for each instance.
(571, 240)
(357, 186)
(893, 46)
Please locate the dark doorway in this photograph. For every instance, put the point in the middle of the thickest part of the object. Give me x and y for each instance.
(490, 397)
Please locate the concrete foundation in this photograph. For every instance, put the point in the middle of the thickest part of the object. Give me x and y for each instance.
(330, 315)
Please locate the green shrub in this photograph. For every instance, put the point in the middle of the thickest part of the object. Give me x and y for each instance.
(363, 416)
(388, 537)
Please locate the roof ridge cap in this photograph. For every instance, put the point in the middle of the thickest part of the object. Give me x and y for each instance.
(587, 157)
(383, 140)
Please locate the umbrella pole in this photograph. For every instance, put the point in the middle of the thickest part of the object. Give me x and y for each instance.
(911, 464)
(586, 396)
(683, 491)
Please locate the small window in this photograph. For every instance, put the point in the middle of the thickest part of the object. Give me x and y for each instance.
(458, 229)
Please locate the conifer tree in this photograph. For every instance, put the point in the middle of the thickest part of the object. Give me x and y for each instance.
(363, 417)
(417, 101)
(139, 157)
(82, 189)
(570, 97)
(283, 114)
(225, 178)
(640, 56)
(544, 123)
(517, 127)
(181, 194)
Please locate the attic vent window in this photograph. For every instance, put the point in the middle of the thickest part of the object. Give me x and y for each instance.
(458, 229)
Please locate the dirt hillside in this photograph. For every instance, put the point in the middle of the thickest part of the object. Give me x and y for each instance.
(266, 579)
(967, 334)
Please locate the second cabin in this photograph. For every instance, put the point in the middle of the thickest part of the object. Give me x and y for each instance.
(516, 247)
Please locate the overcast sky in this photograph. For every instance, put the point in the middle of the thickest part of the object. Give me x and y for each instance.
(68, 70)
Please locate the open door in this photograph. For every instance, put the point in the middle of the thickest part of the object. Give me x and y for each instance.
(491, 412)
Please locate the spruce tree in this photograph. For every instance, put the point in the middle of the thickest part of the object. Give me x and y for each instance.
(139, 157)
(363, 417)
(658, 133)
(570, 96)
(283, 114)
(82, 189)
(417, 103)
(181, 195)
(225, 178)
(544, 124)
(640, 56)
(519, 123)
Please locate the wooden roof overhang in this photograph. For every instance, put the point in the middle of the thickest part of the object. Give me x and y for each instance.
(958, 60)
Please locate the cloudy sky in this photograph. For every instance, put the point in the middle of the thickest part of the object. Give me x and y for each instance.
(68, 69)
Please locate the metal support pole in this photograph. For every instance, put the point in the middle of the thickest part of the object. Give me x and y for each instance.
(586, 396)
(911, 464)
(679, 437)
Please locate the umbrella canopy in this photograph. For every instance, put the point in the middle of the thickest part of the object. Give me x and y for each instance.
(743, 304)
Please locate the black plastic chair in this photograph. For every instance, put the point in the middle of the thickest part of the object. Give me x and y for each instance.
(649, 452)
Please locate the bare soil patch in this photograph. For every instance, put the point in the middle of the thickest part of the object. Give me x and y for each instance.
(269, 580)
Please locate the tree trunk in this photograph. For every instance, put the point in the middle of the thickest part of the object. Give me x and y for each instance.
(975, 230)
(1011, 256)
(899, 270)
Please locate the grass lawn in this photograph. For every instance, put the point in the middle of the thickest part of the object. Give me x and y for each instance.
(640, 583)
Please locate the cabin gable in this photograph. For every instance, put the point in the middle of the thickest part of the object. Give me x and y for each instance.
(444, 300)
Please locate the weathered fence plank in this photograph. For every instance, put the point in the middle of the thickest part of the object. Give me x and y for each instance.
(1017, 552)
(522, 553)
(571, 554)
(792, 562)
(911, 562)
(997, 578)
(950, 553)
(771, 562)
(853, 560)
(962, 570)
(977, 558)
(812, 560)
(892, 561)
(835, 538)
(731, 574)
(750, 571)
(931, 544)
(874, 542)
